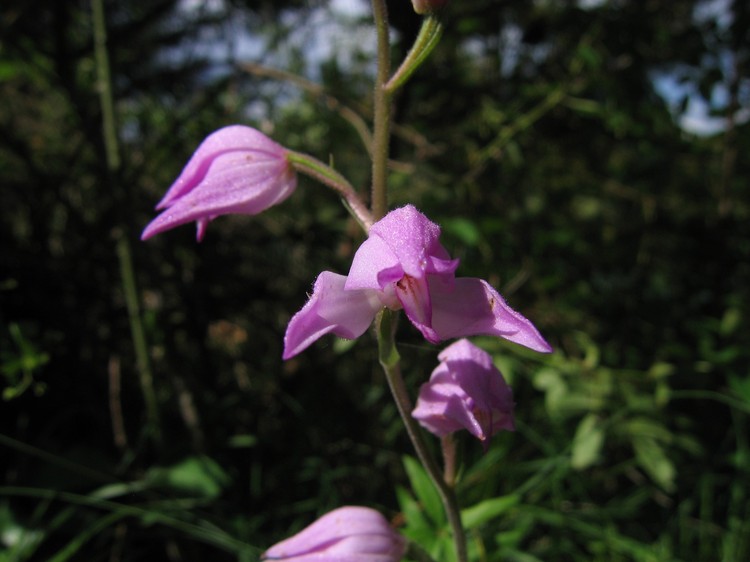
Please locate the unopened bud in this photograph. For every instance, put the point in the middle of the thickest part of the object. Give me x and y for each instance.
(428, 6)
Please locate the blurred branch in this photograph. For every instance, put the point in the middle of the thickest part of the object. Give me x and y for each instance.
(104, 86)
(494, 150)
(352, 114)
(346, 113)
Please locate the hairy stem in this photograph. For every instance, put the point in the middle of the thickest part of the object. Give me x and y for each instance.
(382, 114)
(326, 175)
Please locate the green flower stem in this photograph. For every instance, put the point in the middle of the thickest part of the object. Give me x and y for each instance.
(391, 363)
(448, 445)
(314, 168)
(142, 361)
(382, 114)
(428, 38)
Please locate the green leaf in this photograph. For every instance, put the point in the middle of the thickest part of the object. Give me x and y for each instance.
(417, 527)
(424, 490)
(647, 427)
(587, 443)
(463, 229)
(198, 476)
(487, 510)
(18, 542)
(651, 457)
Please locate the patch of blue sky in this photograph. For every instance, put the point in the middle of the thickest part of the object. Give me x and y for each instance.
(679, 88)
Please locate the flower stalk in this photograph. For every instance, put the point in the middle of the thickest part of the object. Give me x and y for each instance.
(314, 168)
(385, 320)
(390, 361)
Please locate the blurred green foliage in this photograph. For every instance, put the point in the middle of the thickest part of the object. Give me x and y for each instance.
(534, 135)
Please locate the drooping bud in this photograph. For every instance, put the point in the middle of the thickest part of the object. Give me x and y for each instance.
(235, 170)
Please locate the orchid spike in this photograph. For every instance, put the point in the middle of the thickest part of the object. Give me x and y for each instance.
(235, 170)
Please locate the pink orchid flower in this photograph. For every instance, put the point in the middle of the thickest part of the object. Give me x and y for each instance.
(236, 170)
(402, 265)
(465, 391)
(347, 534)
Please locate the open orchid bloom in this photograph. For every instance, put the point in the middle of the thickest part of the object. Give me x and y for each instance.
(465, 391)
(402, 265)
(347, 534)
(236, 170)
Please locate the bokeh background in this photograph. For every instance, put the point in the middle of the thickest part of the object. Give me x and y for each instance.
(589, 158)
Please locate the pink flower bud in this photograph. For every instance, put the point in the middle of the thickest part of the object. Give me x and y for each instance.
(236, 170)
(352, 534)
(465, 391)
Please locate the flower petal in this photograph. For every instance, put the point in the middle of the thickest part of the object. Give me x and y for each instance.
(374, 266)
(236, 184)
(474, 371)
(442, 406)
(227, 139)
(472, 307)
(415, 241)
(330, 309)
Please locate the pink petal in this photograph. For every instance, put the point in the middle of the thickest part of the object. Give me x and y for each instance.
(474, 308)
(234, 184)
(342, 534)
(374, 266)
(442, 406)
(330, 309)
(414, 239)
(228, 139)
(474, 371)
